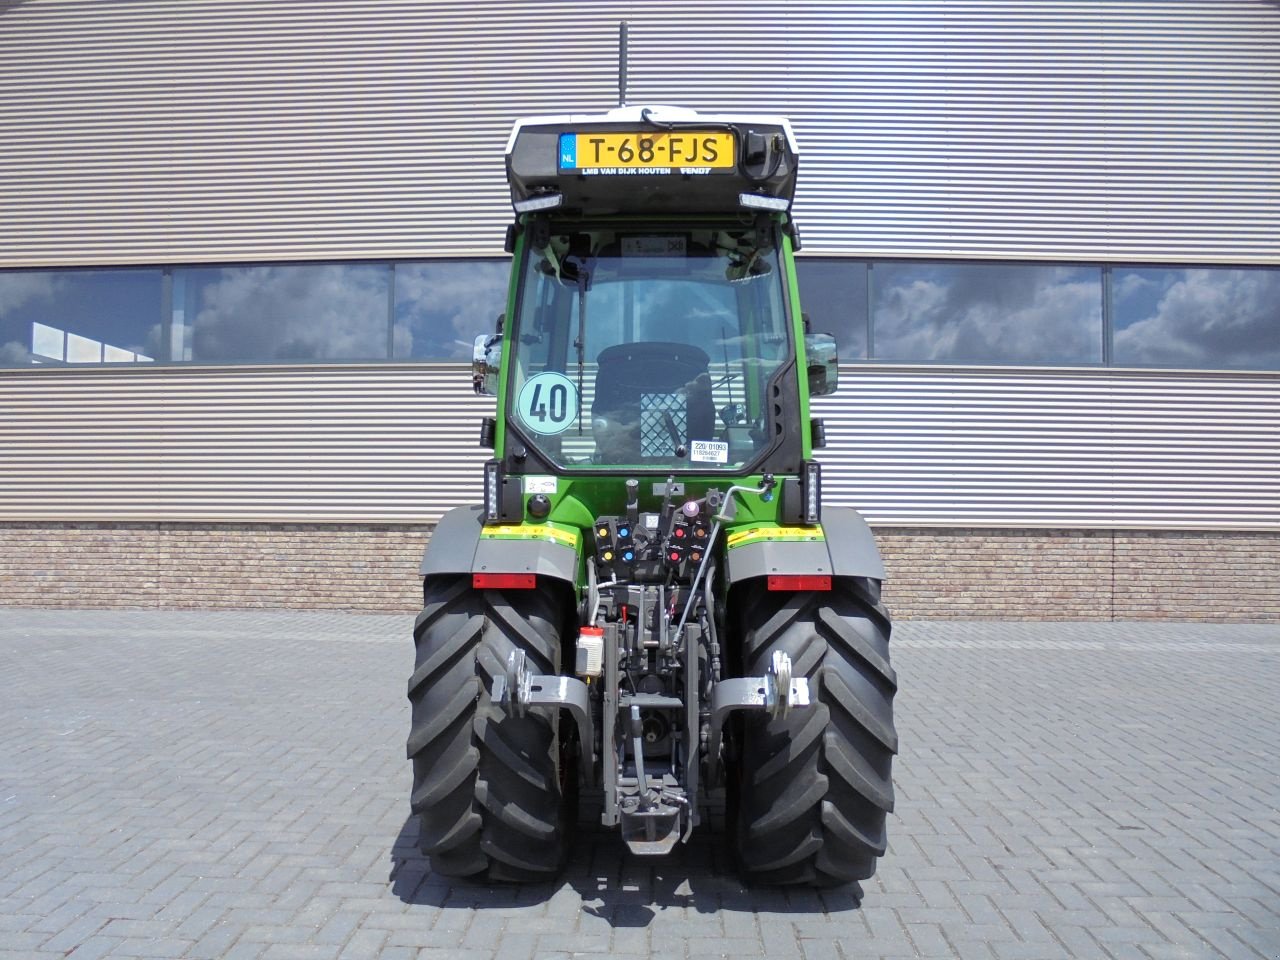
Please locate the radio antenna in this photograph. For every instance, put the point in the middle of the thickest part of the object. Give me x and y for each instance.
(622, 64)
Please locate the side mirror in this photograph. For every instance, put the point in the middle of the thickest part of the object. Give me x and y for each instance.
(824, 371)
(486, 363)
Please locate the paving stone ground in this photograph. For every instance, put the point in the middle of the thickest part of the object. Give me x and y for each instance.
(211, 784)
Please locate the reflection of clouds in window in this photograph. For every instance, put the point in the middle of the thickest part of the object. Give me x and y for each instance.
(1199, 318)
(833, 294)
(79, 316)
(14, 354)
(18, 290)
(331, 312)
(952, 312)
(681, 312)
(988, 314)
(660, 311)
(1126, 287)
(442, 307)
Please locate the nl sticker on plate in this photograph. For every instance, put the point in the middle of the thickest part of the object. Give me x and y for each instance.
(708, 451)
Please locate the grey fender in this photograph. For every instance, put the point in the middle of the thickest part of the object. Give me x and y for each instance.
(849, 550)
(456, 547)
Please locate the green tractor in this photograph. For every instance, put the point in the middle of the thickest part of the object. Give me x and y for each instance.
(652, 604)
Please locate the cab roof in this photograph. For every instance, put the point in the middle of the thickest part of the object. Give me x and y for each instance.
(657, 160)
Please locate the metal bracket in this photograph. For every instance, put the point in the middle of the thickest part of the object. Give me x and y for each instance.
(518, 689)
(777, 693)
(653, 827)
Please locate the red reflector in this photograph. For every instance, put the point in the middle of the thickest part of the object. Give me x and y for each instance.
(799, 581)
(504, 581)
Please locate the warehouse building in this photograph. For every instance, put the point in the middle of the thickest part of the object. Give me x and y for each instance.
(244, 250)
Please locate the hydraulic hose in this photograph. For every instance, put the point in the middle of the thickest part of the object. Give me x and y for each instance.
(723, 515)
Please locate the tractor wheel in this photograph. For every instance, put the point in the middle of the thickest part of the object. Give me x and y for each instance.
(814, 788)
(491, 790)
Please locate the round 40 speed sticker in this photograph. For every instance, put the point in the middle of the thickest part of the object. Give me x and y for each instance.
(548, 403)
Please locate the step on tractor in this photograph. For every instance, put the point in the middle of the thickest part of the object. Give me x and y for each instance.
(652, 608)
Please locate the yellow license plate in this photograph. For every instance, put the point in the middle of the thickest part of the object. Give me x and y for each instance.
(675, 151)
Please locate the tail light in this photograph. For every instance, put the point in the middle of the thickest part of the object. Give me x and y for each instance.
(504, 581)
(800, 581)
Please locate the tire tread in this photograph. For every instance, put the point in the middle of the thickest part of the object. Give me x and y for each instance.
(486, 789)
(815, 786)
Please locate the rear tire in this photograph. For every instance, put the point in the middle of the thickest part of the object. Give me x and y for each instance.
(813, 789)
(489, 789)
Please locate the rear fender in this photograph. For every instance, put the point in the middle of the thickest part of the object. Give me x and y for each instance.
(842, 546)
(462, 544)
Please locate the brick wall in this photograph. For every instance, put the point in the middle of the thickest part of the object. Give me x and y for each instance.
(985, 574)
(978, 574)
(1200, 576)
(228, 566)
(963, 573)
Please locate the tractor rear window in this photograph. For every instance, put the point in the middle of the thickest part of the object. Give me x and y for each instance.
(648, 348)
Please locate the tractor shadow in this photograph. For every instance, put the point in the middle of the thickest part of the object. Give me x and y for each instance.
(614, 886)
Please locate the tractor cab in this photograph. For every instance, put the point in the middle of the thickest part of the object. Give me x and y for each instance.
(652, 315)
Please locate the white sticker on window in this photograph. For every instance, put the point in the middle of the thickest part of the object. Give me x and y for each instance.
(708, 451)
(548, 403)
(539, 484)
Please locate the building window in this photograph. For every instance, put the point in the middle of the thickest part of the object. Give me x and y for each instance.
(888, 311)
(281, 313)
(1199, 318)
(80, 316)
(986, 313)
(442, 306)
(833, 295)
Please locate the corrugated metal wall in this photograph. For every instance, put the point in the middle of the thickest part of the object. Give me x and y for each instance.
(1028, 447)
(909, 446)
(209, 130)
(338, 443)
